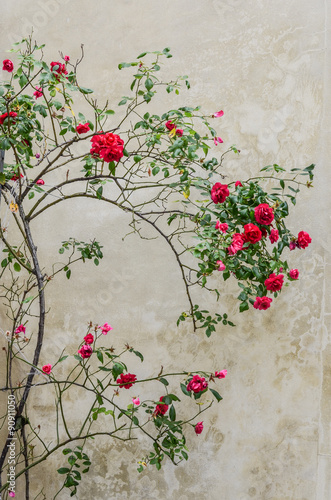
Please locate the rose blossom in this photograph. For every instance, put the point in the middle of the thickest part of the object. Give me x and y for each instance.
(89, 339)
(105, 328)
(15, 177)
(37, 156)
(198, 428)
(252, 233)
(219, 192)
(218, 114)
(179, 132)
(221, 374)
(221, 266)
(294, 274)
(126, 380)
(303, 239)
(238, 183)
(107, 146)
(161, 409)
(264, 214)
(222, 226)
(170, 125)
(12, 114)
(197, 384)
(238, 241)
(218, 140)
(66, 58)
(82, 128)
(20, 329)
(274, 235)
(38, 92)
(60, 69)
(47, 369)
(262, 303)
(85, 351)
(11, 493)
(275, 282)
(40, 182)
(7, 65)
(136, 401)
(293, 245)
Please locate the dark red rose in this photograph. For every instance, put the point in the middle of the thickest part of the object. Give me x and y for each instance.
(274, 235)
(264, 214)
(12, 114)
(294, 274)
(197, 384)
(238, 183)
(170, 125)
(303, 239)
(89, 339)
(274, 282)
(219, 192)
(161, 409)
(82, 128)
(179, 132)
(252, 233)
(126, 380)
(262, 303)
(7, 65)
(59, 68)
(107, 146)
(198, 428)
(85, 351)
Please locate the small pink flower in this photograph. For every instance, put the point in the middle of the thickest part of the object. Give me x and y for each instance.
(85, 351)
(222, 226)
(274, 235)
(218, 114)
(179, 132)
(136, 401)
(105, 329)
(40, 182)
(217, 140)
(221, 266)
(221, 374)
(38, 92)
(89, 339)
(238, 183)
(37, 156)
(293, 245)
(198, 428)
(8, 65)
(11, 493)
(47, 369)
(67, 58)
(294, 274)
(20, 329)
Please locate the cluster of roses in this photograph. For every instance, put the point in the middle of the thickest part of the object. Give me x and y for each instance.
(86, 350)
(264, 216)
(171, 126)
(107, 146)
(12, 114)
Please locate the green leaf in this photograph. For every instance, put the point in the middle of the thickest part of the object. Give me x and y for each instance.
(68, 274)
(172, 413)
(137, 158)
(112, 167)
(85, 90)
(66, 451)
(163, 381)
(2, 178)
(62, 359)
(72, 459)
(137, 353)
(100, 356)
(216, 394)
(149, 84)
(109, 112)
(63, 470)
(17, 267)
(243, 307)
(141, 55)
(184, 390)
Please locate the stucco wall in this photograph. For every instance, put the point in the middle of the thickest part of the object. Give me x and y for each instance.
(266, 64)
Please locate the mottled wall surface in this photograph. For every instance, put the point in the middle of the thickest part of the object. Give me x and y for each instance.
(267, 65)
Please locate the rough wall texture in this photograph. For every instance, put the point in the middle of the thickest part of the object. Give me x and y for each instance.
(266, 64)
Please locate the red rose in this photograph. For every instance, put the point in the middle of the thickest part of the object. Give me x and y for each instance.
(264, 214)
(198, 428)
(47, 369)
(82, 128)
(262, 303)
(274, 282)
(303, 239)
(40, 182)
(170, 125)
(85, 351)
(222, 226)
(221, 374)
(15, 177)
(12, 114)
(219, 192)
(197, 384)
(107, 146)
(238, 241)
(238, 183)
(274, 235)
(126, 380)
(294, 274)
(60, 69)
(161, 409)
(252, 233)
(89, 339)
(179, 132)
(38, 92)
(7, 65)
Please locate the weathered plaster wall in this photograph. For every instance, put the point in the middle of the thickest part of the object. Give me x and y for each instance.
(266, 64)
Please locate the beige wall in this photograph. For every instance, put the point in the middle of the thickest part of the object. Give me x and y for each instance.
(266, 64)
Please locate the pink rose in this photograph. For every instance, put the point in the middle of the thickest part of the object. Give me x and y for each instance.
(89, 339)
(40, 182)
(197, 384)
(262, 303)
(275, 282)
(198, 428)
(179, 132)
(11, 493)
(219, 192)
(222, 226)
(264, 214)
(218, 114)
(105, 328)
(238, 241)
(83, 128)
(85, 351)
(303, 239)
(107, 146)
(47, 369)
(126, 380)
(38, 92)
(293, 245)
(221, 374)
(221, 266)
(66, 58)
(136, 401)
(274, 235)
(218, 140)
(161, 409)
(252, 233)
(37, 156)
(7, 65)
(20, 329)
(238, 183)
(170, 125)
(294, 274)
